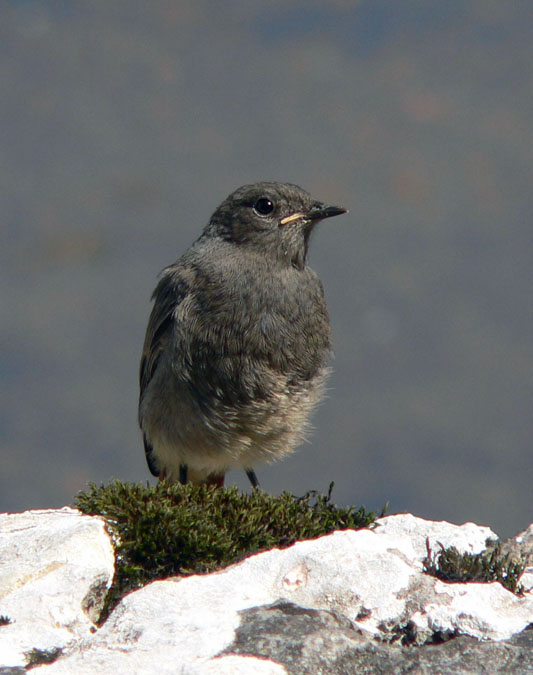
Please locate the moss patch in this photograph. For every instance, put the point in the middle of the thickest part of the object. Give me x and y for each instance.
(170, 530)
(37, 657)
(451, 566)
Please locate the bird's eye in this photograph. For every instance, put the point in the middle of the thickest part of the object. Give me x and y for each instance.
(263, 206)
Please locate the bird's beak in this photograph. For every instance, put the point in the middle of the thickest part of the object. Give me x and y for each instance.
(317, 212)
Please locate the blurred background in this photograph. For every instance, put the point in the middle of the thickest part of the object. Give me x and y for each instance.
(124, 124)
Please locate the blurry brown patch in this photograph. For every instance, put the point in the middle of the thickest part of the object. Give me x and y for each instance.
(72, 247)
(426, 106)
(410, 185)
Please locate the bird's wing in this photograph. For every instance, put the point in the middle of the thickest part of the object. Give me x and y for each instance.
(169, 293)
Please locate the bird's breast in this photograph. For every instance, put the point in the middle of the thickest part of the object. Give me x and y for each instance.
(275, 317)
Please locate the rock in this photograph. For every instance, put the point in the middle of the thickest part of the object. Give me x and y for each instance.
(315, 641)
(520, 547)
(467, 538)
(341, 603)
(55, 569)
(237, 665)
(483, 611)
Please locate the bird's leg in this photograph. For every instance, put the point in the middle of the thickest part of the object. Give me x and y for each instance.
(183, 474)
(252, 478)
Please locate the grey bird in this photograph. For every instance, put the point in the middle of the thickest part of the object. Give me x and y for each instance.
(237, 345)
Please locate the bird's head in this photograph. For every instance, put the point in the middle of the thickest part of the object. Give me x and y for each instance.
(273, 218)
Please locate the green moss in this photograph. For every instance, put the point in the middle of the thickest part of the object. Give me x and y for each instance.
(170, 530)
(36, 657)
(451, 566)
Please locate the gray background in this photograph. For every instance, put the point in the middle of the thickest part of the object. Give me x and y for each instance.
(124, 124)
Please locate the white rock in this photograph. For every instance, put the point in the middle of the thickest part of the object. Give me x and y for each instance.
(483, 611)
(237, 665)
(193, 619)
(54, 565)
(51, 560)
(526, 579)
(467, 538)
(525, 538)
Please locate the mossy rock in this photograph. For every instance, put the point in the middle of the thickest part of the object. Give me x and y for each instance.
(449, 565)
(170, 530)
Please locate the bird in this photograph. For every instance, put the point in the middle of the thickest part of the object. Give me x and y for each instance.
(237, 346)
